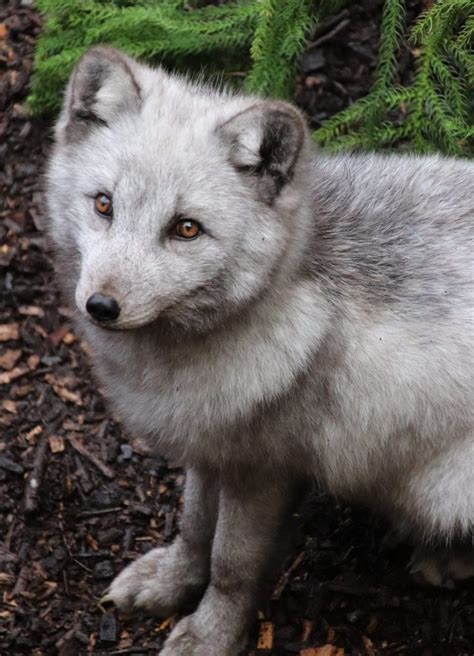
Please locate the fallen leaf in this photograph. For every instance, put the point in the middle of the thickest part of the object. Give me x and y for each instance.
(9, 331)
(9, 358)
(265, 636)
(3, 31)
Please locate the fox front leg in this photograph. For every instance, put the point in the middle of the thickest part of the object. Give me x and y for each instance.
(247, 534)
(164, 579)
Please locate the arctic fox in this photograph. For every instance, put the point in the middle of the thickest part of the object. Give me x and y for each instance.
(265, 314)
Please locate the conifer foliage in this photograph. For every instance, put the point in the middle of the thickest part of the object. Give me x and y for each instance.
(266, 38)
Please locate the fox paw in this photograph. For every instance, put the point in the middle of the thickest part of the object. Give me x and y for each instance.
(188, 639)
(442, 568)
(160, 582)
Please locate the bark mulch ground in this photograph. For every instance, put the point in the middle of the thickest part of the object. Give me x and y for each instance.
(79, 499)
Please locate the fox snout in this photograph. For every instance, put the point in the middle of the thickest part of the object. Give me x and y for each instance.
(102, 308)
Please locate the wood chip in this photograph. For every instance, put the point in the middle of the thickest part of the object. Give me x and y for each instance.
(9, 331)
(31, 311)
(92, 542)
(9, 406)
(308, 628)
(33, 434)
(325, 650)
(69, 338)
(59, 386)
(56, 443)
(58, 335)
(369, 646)
(6, 579)
(35, 478)
(7, 376)
(265, 636)
(167, 623)
(9, 358)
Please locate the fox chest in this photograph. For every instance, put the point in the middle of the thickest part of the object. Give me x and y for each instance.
(188, 402)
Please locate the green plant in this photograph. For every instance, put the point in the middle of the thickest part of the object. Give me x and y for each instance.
(265, 38)
(434, 112)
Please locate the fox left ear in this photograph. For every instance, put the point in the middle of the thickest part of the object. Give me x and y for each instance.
(265, 142)
(101, 88)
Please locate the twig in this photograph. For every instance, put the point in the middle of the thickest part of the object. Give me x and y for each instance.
(22, 580)
(283, 582)
(33, 481)
(323, 26)
(327, 37)
(84, 451)
(98, 512)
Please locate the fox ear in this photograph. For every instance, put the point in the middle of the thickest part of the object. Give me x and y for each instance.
(265, 142)
(102, 87)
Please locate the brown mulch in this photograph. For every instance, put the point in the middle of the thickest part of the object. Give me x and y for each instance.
(79, 499)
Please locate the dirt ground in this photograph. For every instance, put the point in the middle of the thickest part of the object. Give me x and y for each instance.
(79, 499)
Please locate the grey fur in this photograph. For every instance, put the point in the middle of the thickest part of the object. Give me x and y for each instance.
(320, 327)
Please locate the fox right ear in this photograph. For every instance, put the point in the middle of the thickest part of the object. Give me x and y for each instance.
(264, 143)
(101, 88)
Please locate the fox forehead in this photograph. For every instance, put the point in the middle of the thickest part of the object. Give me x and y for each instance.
(165, 142)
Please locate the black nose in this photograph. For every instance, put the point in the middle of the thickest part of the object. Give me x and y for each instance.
(103, 308)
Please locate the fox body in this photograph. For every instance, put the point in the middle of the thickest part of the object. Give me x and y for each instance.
(319, 324)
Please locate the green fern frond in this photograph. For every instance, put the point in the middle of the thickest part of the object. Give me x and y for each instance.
(279, 39)
(435, 111)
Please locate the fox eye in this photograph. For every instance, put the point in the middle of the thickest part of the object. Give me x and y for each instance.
(103, 204)
(187, 229)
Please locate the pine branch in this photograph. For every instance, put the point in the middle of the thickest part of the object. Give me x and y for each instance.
(434, 112)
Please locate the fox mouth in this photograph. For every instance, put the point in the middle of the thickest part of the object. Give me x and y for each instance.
(122, 323)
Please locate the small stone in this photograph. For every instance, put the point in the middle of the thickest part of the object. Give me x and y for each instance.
(60, 553)
(50, 360)
(126, 450)
(108, 628)
(49, 563)
(81, 637)
(109, 536)
(103, 570)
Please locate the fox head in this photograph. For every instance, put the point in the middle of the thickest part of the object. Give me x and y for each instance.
(171, 199)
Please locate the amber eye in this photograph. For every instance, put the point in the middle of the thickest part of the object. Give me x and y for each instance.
(187, 229)
(103, 205)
